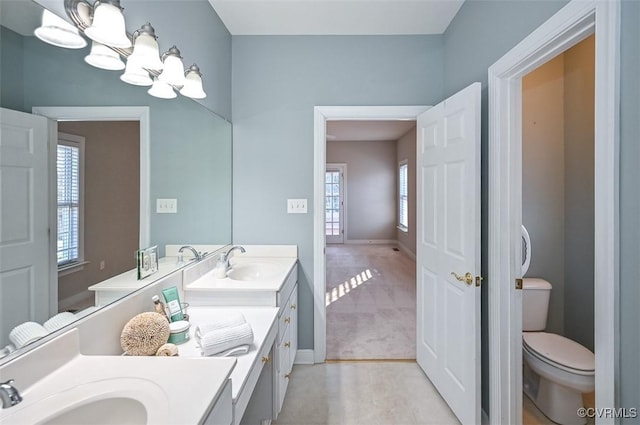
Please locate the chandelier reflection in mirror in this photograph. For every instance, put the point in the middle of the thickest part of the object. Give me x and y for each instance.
(104, 24)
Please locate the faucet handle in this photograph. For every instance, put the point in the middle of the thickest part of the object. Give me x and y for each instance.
(9, 394)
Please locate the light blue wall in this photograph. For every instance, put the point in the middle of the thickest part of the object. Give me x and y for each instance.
(277, 80)
(629, 389)
(11, 70)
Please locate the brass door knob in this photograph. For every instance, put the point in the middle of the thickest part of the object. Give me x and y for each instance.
(466, 278)
(293, 306)
(266, 359)
(287, 375)
(287, 319)
(287, 344)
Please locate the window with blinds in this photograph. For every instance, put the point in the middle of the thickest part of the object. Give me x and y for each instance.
(69, 182)
(403, 196)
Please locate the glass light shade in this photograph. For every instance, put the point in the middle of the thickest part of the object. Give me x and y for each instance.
(108, 25)
(145, 48)
(173, 71)
(135, 74)
(193, 84)
(58, 32)
(162, 90)
(103, 57)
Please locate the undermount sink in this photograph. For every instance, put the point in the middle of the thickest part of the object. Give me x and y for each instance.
(262, 270)
(131, 401)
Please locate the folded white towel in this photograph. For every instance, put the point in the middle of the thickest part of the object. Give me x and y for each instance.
(219, 322)
(221, 340)
(27, 332)
(60, 320)
(236, 351)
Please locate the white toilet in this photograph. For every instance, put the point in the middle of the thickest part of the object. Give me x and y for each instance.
(557, 370)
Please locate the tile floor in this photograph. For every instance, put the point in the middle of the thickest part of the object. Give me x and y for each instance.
(363, 393)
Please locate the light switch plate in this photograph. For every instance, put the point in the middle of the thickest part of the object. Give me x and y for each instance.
(296, 206)
(166, 206)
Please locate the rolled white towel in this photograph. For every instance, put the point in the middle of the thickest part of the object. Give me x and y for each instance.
(222, 340)
(27, 332)
(60, 320)
(219, 322)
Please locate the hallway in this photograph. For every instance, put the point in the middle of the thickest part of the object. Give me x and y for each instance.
(371, 303)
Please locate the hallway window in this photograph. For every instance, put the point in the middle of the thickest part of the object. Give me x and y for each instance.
(403, 202)
(70, 154)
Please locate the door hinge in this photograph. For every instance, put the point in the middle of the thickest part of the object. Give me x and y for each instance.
(478, 280)
(519, 284)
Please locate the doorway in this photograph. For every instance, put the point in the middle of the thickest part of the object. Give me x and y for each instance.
(322, 115)
(334, 202)
(570, 25)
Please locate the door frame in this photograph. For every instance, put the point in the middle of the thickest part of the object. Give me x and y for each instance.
(573, 23)
(342, 168)
(116, 113)
(321, 115)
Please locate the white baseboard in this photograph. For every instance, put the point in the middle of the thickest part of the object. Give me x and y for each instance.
(406, 250)
(304, 357)
(66, 303)
(370, 241)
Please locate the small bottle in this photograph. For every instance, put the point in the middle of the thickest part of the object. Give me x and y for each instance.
(159, 307)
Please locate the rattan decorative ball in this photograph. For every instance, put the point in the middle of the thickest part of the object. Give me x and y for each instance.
(144, 334)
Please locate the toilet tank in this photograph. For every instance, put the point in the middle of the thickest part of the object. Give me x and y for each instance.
(535, 303)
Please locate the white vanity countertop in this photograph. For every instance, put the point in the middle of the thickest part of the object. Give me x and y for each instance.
(129, 280)
(261, 319)
(209, 281)
(172, 389)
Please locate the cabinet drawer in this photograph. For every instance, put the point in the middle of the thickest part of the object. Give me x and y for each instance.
(293, 326)
(284, 321)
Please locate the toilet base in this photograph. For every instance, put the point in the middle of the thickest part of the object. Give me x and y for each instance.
(557, 402)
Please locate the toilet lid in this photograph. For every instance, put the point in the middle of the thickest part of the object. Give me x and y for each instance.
(560, 350)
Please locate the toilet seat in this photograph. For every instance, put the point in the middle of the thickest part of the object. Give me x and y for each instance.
(560, 352)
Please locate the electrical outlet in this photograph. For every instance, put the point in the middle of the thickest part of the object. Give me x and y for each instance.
(166, 206)
(296, 206)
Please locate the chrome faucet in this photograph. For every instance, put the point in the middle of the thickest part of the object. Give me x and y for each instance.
(197, 255)
(225, 257)
(9, 394)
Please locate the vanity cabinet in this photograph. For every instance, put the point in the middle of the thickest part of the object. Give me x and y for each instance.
(281, 292)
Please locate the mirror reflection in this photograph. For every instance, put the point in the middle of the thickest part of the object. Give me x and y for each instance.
(119, 170)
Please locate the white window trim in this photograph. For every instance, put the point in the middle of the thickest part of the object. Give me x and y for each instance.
(79, 142)
(400, 226)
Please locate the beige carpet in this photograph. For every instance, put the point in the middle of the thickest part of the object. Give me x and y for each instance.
(371, 303)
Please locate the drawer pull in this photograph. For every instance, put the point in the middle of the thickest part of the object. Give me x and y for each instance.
(287, 344)
(287, 375)
(266, 359)
(293, 306)
(287, 319)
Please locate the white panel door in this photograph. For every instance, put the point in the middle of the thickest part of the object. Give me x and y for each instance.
(448, 226)
(24, 221)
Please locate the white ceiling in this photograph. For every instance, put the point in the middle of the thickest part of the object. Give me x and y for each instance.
(336, 17)
(354, 131)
